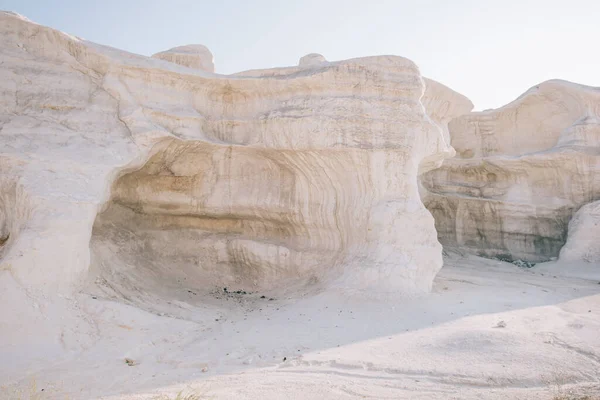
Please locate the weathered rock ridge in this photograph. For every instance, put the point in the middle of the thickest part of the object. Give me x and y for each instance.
(520, 174)
(181, 178)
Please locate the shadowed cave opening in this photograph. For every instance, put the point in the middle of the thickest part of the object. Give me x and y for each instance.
(14, 212)
(201, 216)
(190, 220)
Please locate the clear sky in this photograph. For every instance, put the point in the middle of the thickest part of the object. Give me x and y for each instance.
(489, 50)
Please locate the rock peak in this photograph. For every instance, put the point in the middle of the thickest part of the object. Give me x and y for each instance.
(194, 56)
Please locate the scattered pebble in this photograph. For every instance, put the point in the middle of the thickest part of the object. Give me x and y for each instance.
(501, 324)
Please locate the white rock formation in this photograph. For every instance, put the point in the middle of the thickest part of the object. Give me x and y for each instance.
(248, 181)
(583, 241)
(194, 56)
(520, 173)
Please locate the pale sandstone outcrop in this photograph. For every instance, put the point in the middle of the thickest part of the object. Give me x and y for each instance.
(262, 180)
(520, 173)
(194, 56)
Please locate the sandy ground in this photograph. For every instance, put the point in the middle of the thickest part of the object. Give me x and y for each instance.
(489, 330)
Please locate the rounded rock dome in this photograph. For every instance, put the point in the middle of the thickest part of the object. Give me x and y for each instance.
(311, 59)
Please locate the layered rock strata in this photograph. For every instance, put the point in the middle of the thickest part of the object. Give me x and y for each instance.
(520, 174)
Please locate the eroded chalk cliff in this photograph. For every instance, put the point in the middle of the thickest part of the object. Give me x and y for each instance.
(181, 178)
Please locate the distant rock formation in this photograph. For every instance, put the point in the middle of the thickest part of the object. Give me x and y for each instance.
(263, 180)
(311, 59)
(520, 173)
(442, 105)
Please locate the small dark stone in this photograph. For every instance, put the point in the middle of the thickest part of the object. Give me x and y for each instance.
(263, 297)
(225, 289)
(271, 299)
(217, 319)
(94, 297)
(284, 358)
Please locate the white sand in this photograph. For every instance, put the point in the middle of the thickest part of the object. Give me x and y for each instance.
(443, 346)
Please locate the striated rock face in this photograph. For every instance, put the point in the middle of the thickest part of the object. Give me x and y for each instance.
(520, 173)
(194, 56)
(179, 179)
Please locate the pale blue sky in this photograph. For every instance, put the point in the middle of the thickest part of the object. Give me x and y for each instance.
(491, 51)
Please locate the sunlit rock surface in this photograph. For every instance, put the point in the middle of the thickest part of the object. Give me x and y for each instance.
(291, 177)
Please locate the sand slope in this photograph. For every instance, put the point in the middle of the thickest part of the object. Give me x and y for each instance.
(446, 345)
